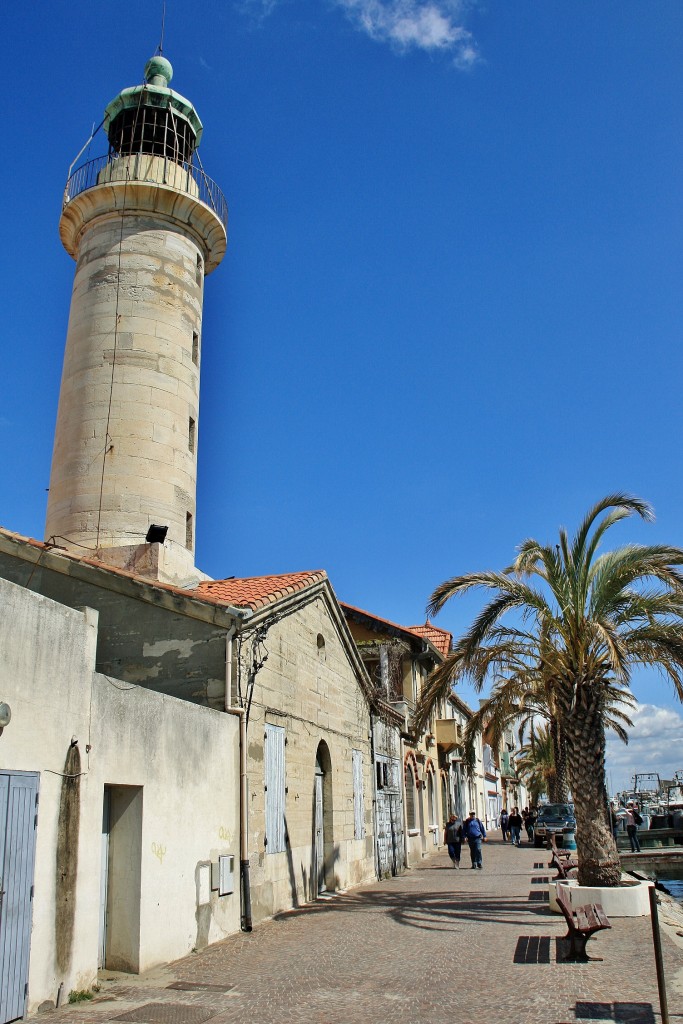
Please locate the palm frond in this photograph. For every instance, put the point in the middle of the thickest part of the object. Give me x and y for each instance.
(623, 504)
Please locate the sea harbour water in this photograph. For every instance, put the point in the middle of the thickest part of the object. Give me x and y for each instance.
(674, 886)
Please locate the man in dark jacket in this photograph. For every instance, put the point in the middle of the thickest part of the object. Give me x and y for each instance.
(475, 834)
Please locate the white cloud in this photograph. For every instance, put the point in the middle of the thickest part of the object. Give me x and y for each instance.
(429, 25)
(422, 24)
(258, 9)
(655, 745)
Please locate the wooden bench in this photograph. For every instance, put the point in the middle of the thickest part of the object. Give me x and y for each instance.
(559, 850)
(582, 922)
(563, 865)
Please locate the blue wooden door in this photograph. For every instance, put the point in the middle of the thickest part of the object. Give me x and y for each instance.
(18, 822)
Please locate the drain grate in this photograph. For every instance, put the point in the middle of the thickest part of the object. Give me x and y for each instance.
(198, 986)
(538, 896)
(168, 1013)
(532, 949)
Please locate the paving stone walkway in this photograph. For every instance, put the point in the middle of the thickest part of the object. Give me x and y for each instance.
(435, 944)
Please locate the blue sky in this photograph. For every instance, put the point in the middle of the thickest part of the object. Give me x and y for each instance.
(450, 312)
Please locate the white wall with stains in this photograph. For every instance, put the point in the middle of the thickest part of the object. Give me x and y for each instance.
(173, 769)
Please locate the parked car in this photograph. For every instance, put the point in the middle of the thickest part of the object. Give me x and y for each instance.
(552, 820)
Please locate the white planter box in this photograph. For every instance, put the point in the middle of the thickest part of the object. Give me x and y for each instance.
(630, 899)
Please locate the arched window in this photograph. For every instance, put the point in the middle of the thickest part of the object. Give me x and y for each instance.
(410, 797)
(444, 798)
(431, 805)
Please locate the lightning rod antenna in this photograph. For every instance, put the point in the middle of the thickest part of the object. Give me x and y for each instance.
(160, 48)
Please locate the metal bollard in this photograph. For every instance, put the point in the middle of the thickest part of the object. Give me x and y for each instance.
(659, 963)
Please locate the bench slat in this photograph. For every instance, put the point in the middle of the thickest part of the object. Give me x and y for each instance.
(583, 923)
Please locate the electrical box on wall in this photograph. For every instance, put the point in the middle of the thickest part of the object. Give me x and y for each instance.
(223, 875)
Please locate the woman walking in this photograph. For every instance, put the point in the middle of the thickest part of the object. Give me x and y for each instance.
(515, 823)
(452, 837)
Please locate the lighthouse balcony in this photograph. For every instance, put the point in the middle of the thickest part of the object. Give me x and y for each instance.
(150, 169)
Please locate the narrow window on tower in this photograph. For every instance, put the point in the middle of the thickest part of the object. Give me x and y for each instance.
(188, 531)
(195, 348)
(191, 434)
(200, 269)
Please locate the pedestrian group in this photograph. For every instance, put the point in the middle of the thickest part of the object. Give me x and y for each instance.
(472, 832)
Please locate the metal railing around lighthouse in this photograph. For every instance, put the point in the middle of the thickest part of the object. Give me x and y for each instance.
(137, 168)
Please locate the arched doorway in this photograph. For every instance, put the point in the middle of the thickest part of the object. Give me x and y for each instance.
(323, 841)
(431, 806)
(411, 816)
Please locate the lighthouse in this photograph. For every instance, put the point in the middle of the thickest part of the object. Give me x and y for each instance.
(145, 225)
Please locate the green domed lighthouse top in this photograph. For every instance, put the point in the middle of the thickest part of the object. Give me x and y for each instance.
(158, 71)
(152, 118)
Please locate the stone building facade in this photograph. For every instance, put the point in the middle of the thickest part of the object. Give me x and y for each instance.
(398, 660)
(297, 674)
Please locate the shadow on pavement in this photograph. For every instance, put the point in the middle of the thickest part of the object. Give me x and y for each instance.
(434, 911)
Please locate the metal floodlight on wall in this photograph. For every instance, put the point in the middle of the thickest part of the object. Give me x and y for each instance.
(156, 534)
(5, 715)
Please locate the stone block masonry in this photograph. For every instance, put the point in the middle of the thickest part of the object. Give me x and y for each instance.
(128, 414)
(312, 691)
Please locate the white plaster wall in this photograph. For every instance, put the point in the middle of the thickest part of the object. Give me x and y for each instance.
(184, 756)
(414, 844)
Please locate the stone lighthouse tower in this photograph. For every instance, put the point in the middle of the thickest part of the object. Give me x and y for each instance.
(145, 225)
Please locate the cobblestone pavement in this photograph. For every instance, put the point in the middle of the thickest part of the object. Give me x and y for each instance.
(435, 944)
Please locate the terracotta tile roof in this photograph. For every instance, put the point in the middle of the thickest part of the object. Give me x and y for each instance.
(371, 615)
(255, 592)
(192, 593)
(258, 591)
(440, 638)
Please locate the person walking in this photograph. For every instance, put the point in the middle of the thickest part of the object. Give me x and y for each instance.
(614, 819)
(505, 824)
(515, 826)
(475, 834)
(633, 819)
(529, 824)
(452, 837)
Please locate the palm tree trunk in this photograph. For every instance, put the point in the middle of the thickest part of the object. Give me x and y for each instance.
(584, 741)
(560, 786)
(562, 770)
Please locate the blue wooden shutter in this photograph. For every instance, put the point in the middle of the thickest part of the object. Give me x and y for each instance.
(18, 820)
(275, 788)
(358, 801)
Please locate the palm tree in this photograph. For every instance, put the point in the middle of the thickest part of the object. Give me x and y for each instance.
(527, 700)
(587, 620)
(523, 698)
(536, 765)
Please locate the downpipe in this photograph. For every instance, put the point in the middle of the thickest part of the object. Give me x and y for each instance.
(245, 884)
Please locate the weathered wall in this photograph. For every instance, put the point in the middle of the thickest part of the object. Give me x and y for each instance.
(315, 694)
(130, 385)
(183, 758)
